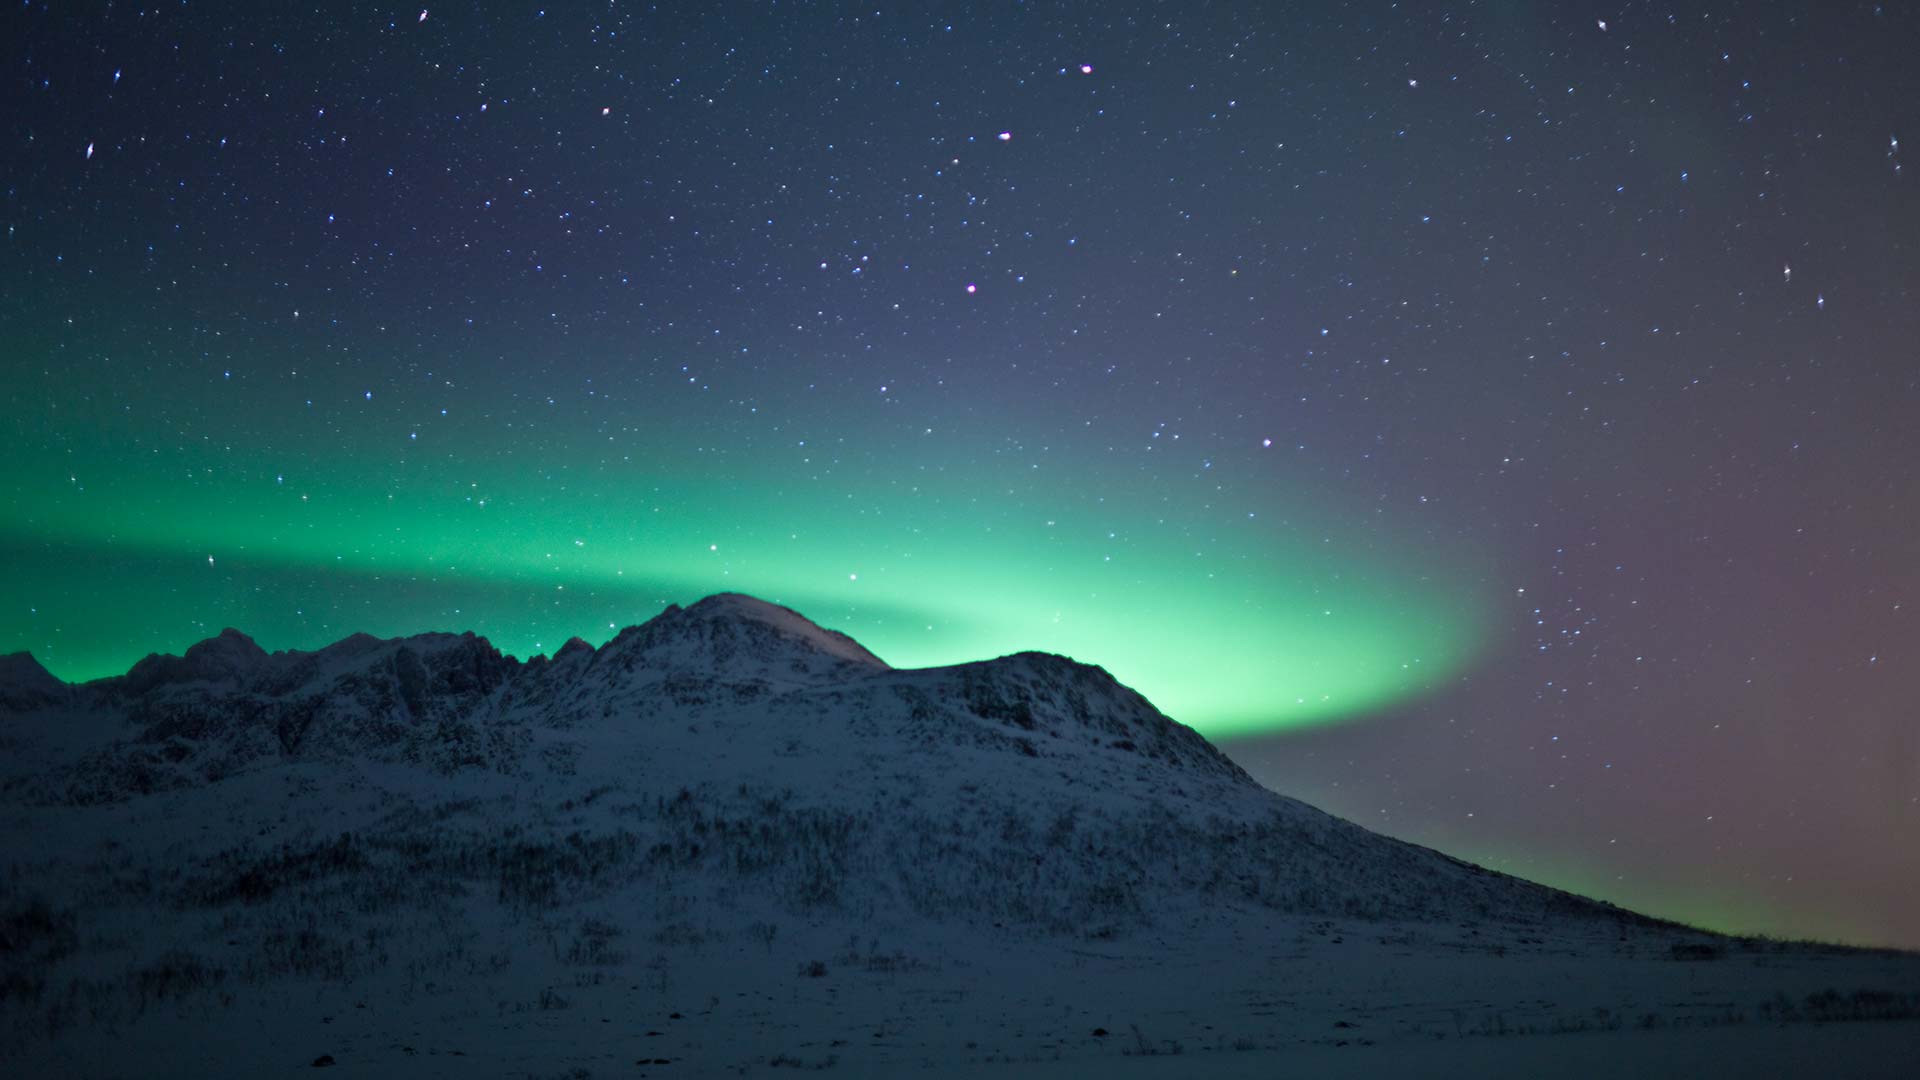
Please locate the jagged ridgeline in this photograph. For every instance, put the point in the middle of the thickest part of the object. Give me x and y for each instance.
(731, 752)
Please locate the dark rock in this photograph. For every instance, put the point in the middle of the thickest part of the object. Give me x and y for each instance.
(25, 685)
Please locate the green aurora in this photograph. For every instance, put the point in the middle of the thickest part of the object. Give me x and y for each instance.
(146, 534)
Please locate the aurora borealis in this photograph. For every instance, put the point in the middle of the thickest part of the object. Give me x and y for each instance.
(1497, 425)
(930, 572)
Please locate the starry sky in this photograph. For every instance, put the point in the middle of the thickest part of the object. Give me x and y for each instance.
(1498, 424)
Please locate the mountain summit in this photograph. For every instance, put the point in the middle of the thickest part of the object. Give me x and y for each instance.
(738, 636)
(230, 656)
(25, 685)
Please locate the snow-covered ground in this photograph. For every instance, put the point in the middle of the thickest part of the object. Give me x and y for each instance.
(1279, 998)
(730, 843)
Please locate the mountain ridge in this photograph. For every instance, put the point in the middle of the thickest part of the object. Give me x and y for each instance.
(233, 653)
(734, 691)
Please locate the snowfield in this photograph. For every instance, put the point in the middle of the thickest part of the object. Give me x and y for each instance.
(729, 842)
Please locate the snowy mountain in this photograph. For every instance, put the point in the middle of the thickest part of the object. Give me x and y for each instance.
(719, 786)
(26, 686)
(1031, 760)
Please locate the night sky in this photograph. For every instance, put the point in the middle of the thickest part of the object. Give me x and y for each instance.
(1498, 424)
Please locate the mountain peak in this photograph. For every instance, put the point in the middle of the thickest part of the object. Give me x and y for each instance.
(228, 644)
(735, 635)
(229, 655)
(21, 667)
(24, 683)
(786, 622)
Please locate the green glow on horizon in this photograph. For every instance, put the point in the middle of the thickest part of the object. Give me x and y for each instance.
(1226, 620)
(1675, 895)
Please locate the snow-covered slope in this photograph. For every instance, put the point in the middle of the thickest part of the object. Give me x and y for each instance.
(379, 816)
